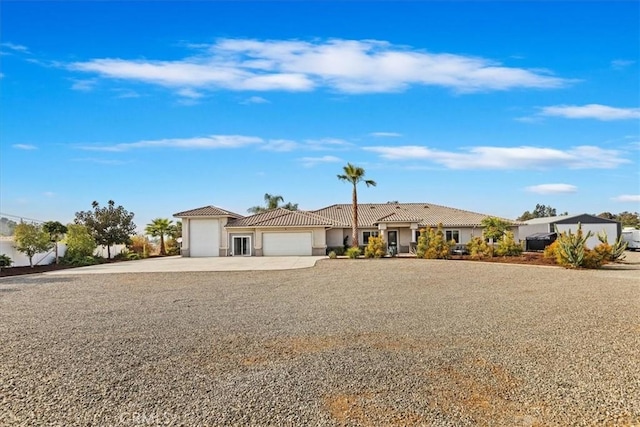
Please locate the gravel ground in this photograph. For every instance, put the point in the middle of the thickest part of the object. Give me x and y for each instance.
(349, 342)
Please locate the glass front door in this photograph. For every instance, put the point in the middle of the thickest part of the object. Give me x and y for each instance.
(392, 237)
(241, 245)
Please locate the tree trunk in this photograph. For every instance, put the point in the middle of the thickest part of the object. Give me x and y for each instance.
(163, 251)
(354, 226)
(108, 251)
(56, 252)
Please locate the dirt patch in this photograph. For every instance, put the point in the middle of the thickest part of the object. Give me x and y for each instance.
(360, 409)
(19, 271)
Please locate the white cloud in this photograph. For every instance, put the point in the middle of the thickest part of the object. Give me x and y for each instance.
(312, 161)
(281, 145)
(552, 189)
(510, 158)
(325, 144)
(255, 100)
(385, 134)
(49, 194)
(15, 47)
(627, 198)
(348, 66)
(108, 162)
(208, 142)
(24, 146)
(84, 85)
(190, 93)
(619, 64)
(591, 111)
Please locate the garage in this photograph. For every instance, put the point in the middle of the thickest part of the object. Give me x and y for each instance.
(286, 244)
(204, 237)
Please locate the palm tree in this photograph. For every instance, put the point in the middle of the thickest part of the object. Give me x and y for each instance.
(272, 202)
(354, 175)
(160, 227)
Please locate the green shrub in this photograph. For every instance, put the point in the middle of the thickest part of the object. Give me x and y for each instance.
(80, 260)
(616, 252)
(375, 248)
(507, 246)
(5, 261)
(572, 248)
(423, 244)
(478, 248)
(332, 255)
(79, 243)
(353, 253)
(339, 250)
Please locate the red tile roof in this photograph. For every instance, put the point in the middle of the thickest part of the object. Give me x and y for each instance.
(207, 211)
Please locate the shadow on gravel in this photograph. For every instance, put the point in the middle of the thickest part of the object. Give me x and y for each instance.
(34, 280)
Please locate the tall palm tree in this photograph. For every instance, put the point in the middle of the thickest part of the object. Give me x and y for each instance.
(272, 202)
(355, 175)
(160, 227)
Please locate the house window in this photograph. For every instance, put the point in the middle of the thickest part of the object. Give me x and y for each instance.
(452, 235)
(366, 235)
(416, 235)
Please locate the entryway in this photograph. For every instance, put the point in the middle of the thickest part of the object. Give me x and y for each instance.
(241, 246)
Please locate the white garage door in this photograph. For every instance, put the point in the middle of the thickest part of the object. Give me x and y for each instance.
(204, 237)
(284, 244)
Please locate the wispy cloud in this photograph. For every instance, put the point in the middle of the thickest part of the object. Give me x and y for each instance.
(327, 144)
(24, 147)
(49, 194)
(255, 100)
(190, 93)
(507, 158)
(552, 189)
(347, 66)
(84, 85)
(14, 47)
(281, 145)
(312, 161)
(591, 111)
(620, 64)
(627, 198)
(108, 162)
(207, 142)
(385, 134)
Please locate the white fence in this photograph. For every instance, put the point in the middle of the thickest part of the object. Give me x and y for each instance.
(21, 260)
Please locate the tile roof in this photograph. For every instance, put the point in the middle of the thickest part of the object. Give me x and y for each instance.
(207, 211)
(426, 214)
(280, 217)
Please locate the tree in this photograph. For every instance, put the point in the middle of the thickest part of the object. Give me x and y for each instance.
(272, 201)
(541, 211)
(31, 239)
(109, 225)
(160, 227)
(80, 243)
(354, 175)
(494, 228)
(56, 232)
(7, 226)
(627, 219)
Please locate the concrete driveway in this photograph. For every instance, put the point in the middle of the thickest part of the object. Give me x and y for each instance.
(179, 264)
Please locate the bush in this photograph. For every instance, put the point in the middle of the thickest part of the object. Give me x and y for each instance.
(5, 261)
(141, 246)
(79, 242)
(376, 248)
(616, 252)
(508, 246)
(478, 248)
(339, 250)
(432, 244)
(332, 255)
(353, 253)
(570, 251)
(79, 261)
(172, 247)
(551, 252)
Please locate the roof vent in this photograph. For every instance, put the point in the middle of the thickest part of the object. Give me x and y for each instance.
(372, 207)
(397, 207)
(338, 207)
(426, 206)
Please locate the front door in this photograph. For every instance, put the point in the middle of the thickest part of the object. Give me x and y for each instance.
(241, 246)
(392, 241)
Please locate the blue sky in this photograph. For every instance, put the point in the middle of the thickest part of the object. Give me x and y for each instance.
(161, 106)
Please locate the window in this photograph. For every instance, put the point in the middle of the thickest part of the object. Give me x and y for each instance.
(450, 235)
(366, 235)
(415, 234)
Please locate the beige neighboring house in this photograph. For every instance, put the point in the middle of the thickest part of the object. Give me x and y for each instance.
(212, 231)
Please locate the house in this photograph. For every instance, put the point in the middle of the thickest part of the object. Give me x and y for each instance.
(592, 223)
(213, 231)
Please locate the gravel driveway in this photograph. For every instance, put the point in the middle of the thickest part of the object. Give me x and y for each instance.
(349, 342)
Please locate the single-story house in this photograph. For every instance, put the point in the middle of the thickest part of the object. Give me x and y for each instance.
(562, 223)
(211, 231)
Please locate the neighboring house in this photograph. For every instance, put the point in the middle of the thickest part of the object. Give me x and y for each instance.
(592, 223)
(213, 231)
